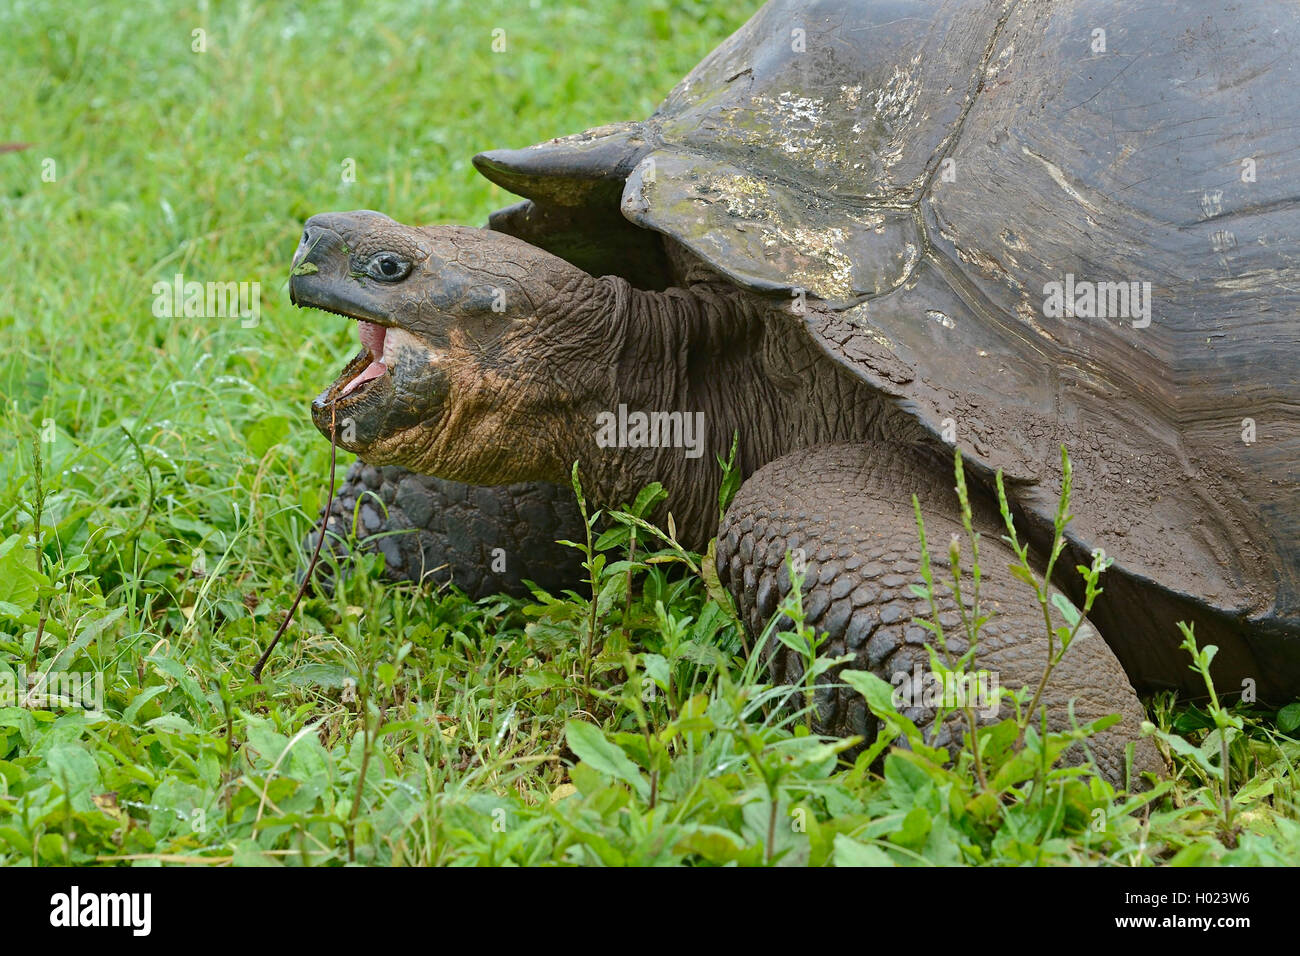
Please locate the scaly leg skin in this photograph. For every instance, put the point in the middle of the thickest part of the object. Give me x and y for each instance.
(483, 540)
(848, 507)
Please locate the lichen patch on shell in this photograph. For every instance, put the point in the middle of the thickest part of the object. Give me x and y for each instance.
(746, 197)
(822, 264)
(774, 234)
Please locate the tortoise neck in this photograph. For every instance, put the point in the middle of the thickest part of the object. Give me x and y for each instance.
(684, 370)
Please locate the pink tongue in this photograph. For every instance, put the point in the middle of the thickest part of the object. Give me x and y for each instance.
(372, 337)
(373, 370)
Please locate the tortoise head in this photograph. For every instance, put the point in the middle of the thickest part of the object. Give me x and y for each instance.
(465, 337)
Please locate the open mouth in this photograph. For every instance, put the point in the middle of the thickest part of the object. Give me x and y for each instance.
(374, 339)
(377, 357)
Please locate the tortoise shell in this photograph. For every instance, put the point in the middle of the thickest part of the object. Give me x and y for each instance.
(1030, 225)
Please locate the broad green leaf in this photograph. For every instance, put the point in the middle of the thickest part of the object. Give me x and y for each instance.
(592, 747)
(72, 767)
(1067, 608)
(712, 843)
(1288, 718)
(20, 583)
(849, 852)
(915, 829)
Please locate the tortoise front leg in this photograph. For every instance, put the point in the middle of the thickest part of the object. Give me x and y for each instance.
(484, 540)
(847, 509)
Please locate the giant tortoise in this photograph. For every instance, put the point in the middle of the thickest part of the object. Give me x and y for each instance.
(859, 234)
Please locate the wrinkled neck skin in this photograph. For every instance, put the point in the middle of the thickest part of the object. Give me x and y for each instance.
(743, 362)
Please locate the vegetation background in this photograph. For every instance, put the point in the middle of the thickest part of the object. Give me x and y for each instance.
(158, 475)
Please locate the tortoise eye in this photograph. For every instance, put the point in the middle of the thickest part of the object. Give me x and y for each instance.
(387, 267)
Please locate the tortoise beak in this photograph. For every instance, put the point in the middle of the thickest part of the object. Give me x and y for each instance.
(317, 267)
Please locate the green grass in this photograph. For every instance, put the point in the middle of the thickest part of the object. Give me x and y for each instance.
(180, 474)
